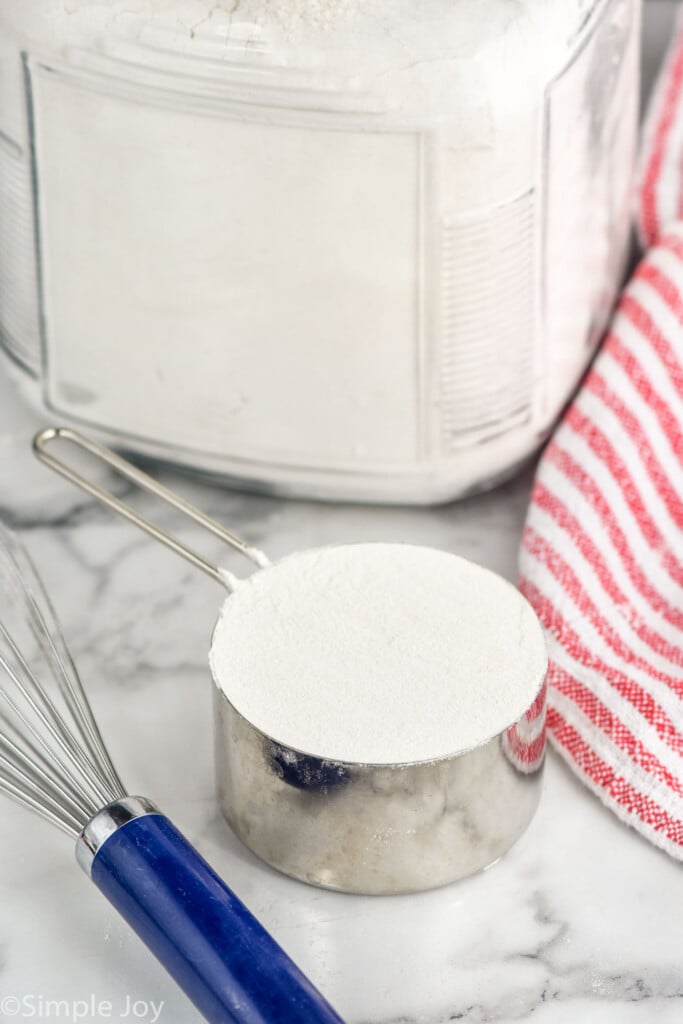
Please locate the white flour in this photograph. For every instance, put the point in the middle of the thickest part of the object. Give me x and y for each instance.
(378, 653)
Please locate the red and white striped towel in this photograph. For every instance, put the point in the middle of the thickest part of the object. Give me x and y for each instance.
(660, 192)
(602, 551)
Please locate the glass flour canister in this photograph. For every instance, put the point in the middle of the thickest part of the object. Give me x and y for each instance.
(357, 249)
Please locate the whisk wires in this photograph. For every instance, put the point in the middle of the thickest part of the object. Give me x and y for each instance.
(52, 757)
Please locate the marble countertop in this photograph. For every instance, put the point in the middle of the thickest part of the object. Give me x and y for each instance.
(581, 921)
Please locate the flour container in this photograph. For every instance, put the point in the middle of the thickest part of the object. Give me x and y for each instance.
(324, 247)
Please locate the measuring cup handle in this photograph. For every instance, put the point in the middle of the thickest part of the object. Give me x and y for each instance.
(44, 440)
(223, 959)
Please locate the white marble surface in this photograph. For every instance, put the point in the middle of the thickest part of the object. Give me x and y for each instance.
(581, 921)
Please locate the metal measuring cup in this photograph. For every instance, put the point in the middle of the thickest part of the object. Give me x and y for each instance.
(356, 827)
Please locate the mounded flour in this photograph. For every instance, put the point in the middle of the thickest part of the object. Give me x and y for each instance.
(378, 653)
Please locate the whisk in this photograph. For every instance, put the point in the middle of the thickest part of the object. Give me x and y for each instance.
(53, 760)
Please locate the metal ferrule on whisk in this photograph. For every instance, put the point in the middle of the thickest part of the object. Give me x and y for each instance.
(105, 823)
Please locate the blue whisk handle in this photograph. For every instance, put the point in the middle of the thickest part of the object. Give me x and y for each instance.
(223, 959)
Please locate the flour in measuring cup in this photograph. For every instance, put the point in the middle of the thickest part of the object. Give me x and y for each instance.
(378, 653)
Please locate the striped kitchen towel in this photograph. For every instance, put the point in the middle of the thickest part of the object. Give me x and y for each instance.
(602, 550)
(602, 560)
(660, 192)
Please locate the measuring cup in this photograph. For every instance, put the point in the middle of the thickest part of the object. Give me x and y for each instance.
(350, 825)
